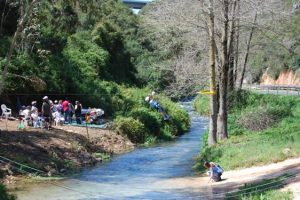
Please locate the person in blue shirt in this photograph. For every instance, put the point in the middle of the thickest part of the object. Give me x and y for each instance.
(215, 171)
(155, 105)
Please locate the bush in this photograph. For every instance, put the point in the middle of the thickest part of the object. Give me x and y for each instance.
(180, 121)
(257, 120)
(132, 128)
(4, 195)
(151, 120)
(128, 103)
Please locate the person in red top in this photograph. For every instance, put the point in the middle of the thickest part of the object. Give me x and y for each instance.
(65, 106)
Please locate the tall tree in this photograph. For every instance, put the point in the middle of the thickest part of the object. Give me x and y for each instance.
(231, 47)
(212, 136)
(223, 83)
(20, 27)
(243, 70)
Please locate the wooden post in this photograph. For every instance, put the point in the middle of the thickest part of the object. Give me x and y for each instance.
(87, 119)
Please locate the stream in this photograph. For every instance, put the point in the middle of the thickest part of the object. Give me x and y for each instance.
(135, 175)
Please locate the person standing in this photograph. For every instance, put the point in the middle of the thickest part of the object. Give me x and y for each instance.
(71, 112)
(46, 112)
(78, 108)
(65, 106)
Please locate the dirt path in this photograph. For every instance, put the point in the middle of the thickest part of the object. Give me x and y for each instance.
(232, 180)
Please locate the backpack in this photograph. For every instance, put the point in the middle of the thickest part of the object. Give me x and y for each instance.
(220, 169)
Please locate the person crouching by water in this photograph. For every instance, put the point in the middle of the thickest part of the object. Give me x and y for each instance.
(155, 105)
(215, 171)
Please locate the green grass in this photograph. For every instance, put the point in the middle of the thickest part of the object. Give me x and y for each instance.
(264, 190)
(201, 104)
(246, 148)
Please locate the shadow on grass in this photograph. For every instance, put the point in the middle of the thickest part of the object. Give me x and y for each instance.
(260, 190)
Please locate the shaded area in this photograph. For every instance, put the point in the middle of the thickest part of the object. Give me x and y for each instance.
(259, 189)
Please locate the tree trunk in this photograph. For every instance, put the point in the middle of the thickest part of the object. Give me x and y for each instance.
(247, 52)
(222, 115)
(231, 50)
(20, 28)
(212, 136)
(2, 17)
(237, 42)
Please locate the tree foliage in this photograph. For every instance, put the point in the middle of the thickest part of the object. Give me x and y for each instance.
(276, 48)
(71, 45)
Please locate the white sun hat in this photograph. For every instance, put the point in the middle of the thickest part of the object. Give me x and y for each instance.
(147, 99)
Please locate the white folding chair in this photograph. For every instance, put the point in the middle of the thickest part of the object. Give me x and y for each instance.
(6, 112)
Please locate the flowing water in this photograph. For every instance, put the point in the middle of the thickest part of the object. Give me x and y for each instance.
(136, 175)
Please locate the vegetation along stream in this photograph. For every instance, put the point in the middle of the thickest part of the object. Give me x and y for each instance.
(135, 175)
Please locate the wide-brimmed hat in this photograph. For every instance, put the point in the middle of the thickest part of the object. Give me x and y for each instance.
(33, 102)
(45, 97)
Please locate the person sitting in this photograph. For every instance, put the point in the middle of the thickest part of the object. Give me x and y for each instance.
(25, 115)
(155, 105)
(58, 118)
(215, 171)
(34, 114)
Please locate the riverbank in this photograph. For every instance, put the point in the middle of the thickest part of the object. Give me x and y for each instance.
(58, 152)
(263, 129)
(244, 182)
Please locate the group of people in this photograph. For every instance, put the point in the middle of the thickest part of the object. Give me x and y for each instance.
(57, 112)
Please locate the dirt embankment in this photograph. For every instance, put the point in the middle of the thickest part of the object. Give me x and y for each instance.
(58, 151)
(285, 78)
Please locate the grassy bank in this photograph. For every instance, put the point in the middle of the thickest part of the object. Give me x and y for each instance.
(262, 129)
(143, 125)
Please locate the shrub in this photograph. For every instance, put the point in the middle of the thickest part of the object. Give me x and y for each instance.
(180, 121)
(129, 104)
(4, 195)
(151, 120)
(132, 128)
(257, 120)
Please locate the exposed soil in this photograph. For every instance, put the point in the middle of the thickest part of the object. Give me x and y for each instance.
(232, 180)
(285, 78)
(57, 151)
